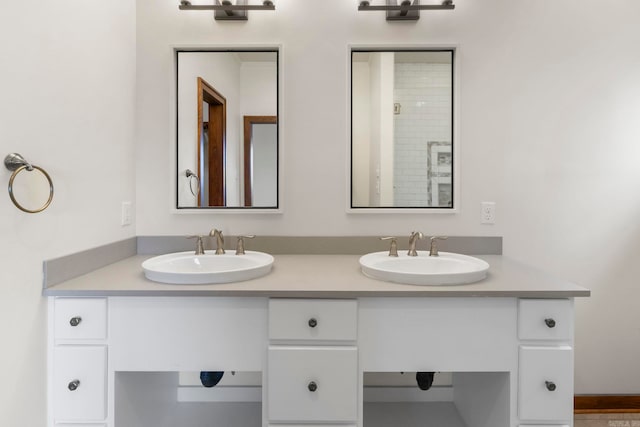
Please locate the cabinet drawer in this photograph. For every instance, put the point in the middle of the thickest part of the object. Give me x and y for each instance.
(313, 384)
(79, 383)
(546, 425)
(540, 319)
(315, 320)
(546, 383)
(80, 318)
(81, 425)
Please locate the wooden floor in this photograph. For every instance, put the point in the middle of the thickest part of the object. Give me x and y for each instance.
(607, 420)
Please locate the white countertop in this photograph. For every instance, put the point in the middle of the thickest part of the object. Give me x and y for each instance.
(320, 276)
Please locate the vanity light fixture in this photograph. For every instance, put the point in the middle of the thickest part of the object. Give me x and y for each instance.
(226, 10)
(407, 10)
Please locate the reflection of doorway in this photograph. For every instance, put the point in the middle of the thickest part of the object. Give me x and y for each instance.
(212, 119)
(260, 161)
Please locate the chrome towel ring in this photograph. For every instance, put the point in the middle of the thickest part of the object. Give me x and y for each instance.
(192, 176)
(16, 163)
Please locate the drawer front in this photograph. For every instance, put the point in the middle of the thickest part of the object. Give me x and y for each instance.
(546, 383)
(81, 425)
(80, 318)
(315, 320)
(540, 319)
(79, 383)
(313, 384)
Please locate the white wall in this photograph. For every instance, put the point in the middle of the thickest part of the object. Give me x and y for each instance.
(383, 117)
(259, 97)
(570, 156)
(258, 88)
(67, 81)
(361, 134)
(264, 170)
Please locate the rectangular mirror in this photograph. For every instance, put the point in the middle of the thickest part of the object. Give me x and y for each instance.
(402, 129)
(227, 128)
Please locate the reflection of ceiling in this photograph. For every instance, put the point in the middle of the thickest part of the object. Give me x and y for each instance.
(256, 56)
(424, 56)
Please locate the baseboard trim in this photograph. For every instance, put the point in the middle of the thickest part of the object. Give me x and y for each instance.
(606, 404)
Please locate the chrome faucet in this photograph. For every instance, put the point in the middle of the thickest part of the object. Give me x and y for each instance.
(219, 240)
(393, 249)
(413, 239)
(433, 250)
(240, 245)
(199, 244)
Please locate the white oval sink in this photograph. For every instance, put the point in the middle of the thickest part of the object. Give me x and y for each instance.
(446, 269)
(185, 268)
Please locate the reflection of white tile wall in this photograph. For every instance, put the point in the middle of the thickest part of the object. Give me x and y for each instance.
(423, 91)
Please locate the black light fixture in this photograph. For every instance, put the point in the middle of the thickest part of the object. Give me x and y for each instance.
(227, 10)
(407, 10)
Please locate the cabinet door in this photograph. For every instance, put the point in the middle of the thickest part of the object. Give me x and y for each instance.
(79, 383)
(546, 383)
(313, 384)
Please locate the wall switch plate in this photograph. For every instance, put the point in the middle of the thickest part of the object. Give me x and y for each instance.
(125, 218)
(488, 213)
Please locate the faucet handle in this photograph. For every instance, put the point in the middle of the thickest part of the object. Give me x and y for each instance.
(240, 245)
(199, 244)
(393, 250)
(433, 250)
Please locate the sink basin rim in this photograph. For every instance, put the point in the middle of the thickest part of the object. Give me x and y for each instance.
(174, 268)
(380, 266)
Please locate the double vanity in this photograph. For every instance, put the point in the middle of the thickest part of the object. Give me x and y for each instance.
(312, 330)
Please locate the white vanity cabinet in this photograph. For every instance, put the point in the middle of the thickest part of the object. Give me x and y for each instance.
(511, 359)
(545, 330)
(312, 361)
(78, 360)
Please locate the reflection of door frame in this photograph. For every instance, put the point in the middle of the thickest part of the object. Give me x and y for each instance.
(217, 133)
(249, 121)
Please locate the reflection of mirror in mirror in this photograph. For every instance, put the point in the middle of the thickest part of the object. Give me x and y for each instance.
(235, 164)
(402, 129)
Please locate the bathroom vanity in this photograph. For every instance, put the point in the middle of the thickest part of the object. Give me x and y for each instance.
(314, 328)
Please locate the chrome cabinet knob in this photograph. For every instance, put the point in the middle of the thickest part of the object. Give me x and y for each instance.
(73, 385)
(312, 386)
(313, 322)
(75, 321)
(550, 323)
(551, 386)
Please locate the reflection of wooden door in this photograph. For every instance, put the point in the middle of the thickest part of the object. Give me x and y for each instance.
(249, 121)
(212, 120)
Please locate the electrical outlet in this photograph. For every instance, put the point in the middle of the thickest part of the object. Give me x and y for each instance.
(488, 213)
(125, 218)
